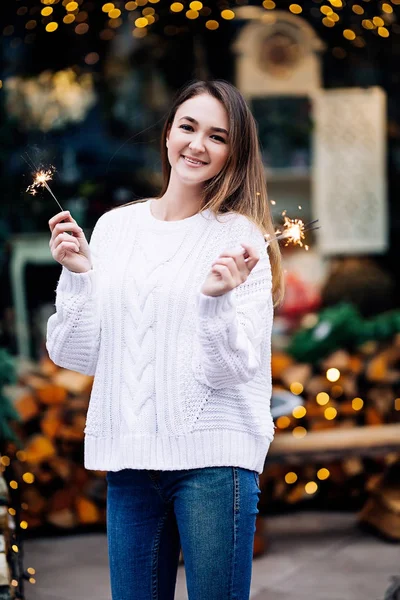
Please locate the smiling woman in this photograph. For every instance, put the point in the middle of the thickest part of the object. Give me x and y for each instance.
(171, 308)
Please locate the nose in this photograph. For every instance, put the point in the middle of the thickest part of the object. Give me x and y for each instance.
(197, 143)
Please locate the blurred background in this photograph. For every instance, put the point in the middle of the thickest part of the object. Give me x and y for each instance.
(84, 90)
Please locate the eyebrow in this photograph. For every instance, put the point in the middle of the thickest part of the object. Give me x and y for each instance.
(192, 120)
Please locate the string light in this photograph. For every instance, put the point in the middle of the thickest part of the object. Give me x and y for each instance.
(291, 477)
(330, 413)
(323, 474)
(311, 487)
(332, 374)
(296, 388)
(212, 25)
(299, 412)
(357, 403)
(283, 422)
(299, 432)
(322, 398)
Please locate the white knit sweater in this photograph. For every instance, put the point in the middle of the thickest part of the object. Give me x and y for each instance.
(181, 380)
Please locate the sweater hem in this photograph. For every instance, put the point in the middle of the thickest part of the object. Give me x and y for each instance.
(169, 453)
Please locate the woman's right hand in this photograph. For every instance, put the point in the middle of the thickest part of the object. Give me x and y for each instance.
(71, 251)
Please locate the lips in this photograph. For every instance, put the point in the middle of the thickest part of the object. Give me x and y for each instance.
(193, 161)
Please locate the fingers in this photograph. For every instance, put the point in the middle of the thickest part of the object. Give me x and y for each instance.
(235, 262)
(61, 216)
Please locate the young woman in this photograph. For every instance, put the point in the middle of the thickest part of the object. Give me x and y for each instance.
(171, 308)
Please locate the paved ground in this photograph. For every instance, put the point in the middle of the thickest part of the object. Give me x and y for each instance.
(311, 556)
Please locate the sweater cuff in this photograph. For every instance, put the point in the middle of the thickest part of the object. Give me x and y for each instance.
(77, 283)
(215, 306)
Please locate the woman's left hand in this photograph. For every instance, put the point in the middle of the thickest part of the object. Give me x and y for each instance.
(229, 270)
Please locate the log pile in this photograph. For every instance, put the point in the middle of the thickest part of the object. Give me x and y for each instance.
(56, 490)
(345, 392)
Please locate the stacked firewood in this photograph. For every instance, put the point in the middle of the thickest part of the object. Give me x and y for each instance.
(56, 490)
(345, 390)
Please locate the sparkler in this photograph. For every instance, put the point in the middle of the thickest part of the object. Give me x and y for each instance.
(41, 178)
(293, 231)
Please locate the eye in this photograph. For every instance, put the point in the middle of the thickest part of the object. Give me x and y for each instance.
(189, 127)
(219, 138)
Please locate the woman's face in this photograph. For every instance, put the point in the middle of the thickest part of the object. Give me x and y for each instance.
(198, 140)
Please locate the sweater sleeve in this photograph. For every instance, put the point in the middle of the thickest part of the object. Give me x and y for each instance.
(231, 328)
(73, 332)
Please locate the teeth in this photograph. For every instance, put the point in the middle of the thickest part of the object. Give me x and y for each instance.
(194, 162)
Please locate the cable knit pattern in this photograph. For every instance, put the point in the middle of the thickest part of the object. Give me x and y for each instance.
(182, 380)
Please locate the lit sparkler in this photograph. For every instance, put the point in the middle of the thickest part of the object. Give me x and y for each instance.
(42, 176)
(293, 231)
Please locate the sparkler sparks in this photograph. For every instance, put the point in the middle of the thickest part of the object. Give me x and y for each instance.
(42, 176)
(293, 231)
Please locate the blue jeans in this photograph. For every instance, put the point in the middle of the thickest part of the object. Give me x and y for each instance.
(209, 512)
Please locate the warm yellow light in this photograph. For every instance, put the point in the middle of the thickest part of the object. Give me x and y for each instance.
(13, 484)
(5, 460)
(176, 7)
(322, 398)
(290, 477)
(383, 32)
(295, 9)
(378, 22)
(148, 11)
(333, 17)
(15, 547)
(32, 580)
(107, 7)
(69, 19)
(150, 19)
(397, 404)
(367, 24)
(299, 432)
(349, 35)
(71, 6)
(12, 512)
(141, 22)
(299, 412)
(326, 10)
(28, 477)
(114, 13)
(269, 4)
(283, 422)
(357, 403)
(21, 455)
(228, 15)
(336, 3)
(323, 474)
(23, 525)
(130, 5)
(31, 570)
(14, 582)
(196, 5)
(212, 25)
(50, 27)
(334, 374)
(387, 8)
(330, 413)
(311, 487)
(328, 22)
(358, 9)
(296, 388)
(192, 14)
(46, 11)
